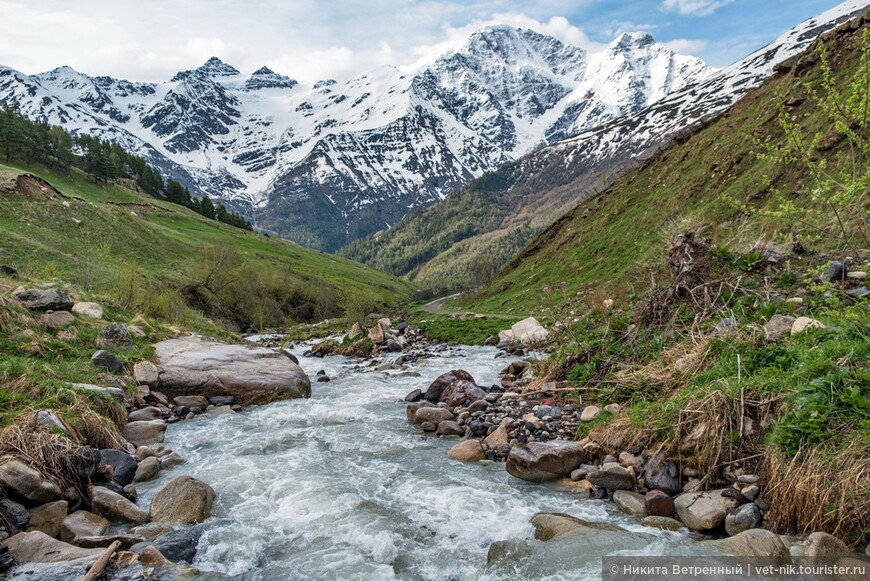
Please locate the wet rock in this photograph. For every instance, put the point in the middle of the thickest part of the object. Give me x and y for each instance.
(14, 516)
(82, 523)
(630, 503)
(143, 433)
(511, 550)
(222, 400)
(126, 541)
(614, 478)
(48, 517)
(542, 461)
(778, 327)
(115, 507)
(150, 531)
(177, 545)
(115, 337)
(45, 300)
(662, 522)
(460, 392)
(824, 545)
(184, 499)
(467, 451)
(549, 526)
(435, 415)
(194, 365)
(92, 310)
(449, 428)
(26, 482)
(658, 503)
(38, 547)
(437, 387)
(413, 408)
(744, 518)
(123, 465)
(146, 373)
(703, 510)
(754, 543)
(415, 395)
(191, 401)
(148, 469)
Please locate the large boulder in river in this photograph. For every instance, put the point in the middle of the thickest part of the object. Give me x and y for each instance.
(754, 543)
(183, 500)
(542, 461)
(194, 365)
(53, 299)
(462, 392)
(437, 387)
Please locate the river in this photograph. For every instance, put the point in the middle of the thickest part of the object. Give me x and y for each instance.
(340, 486)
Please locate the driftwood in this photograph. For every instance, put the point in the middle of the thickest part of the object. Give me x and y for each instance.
(97, 568)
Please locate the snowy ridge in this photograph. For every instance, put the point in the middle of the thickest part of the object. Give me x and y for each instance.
(370, 149)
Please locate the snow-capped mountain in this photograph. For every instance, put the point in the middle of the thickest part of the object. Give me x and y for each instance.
(527, 195)
(328, 163)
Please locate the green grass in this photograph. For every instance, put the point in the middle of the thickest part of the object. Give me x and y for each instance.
(102, 238)
(466, 331)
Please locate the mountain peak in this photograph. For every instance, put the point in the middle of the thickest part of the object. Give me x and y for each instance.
(628, 40)
(266, 78)
(263, 71)
(213, 67)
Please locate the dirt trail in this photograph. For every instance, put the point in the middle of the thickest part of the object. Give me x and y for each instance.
(436, 307)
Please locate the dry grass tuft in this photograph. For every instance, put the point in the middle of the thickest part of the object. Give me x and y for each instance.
(44, 451)
(808, 492)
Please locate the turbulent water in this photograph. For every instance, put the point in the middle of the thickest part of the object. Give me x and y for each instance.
(340, 486)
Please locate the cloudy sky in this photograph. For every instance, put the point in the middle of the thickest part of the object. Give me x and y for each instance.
(149, 40)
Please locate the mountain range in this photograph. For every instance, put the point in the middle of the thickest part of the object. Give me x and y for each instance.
(329, 163)
(465, 238)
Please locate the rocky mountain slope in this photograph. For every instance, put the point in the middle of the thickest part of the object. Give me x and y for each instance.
(473, 232)
(329, 163)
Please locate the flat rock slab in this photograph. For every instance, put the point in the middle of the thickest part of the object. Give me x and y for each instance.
(194, 365)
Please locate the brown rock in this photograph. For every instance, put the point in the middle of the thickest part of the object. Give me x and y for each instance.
(38, 547)
(48, 518)
(754, 543)
(437, 387)
(82, 523)
(460, 392)
(146, 414)
(703, 510)
(819, 545)
(146, 373)
(27, 482)
(630, 503)
(435, 415)
(549, 526)
(467, 451)
(449, 428)
(114, 506)
(57, 320)
(184, 499)
(148, 469)
(499, 437)
(542, 461)
(191, 401)
(661, 522)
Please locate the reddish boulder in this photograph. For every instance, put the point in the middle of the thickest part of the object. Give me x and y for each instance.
(659, 503)
(433, 393)
(460, 392)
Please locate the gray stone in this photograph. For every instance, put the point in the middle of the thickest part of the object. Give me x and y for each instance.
(28, 483)
(590, 413)
(744, 518)
(92, 310)
(177, 545)
(14, 516)
(82, 523)
(146, 373)
(549, 526)
(106, 360)
(46, 300)
(143, 433)
(615, 478)
(778, 326)
(171, 460)
(754, 543)
(50, 420)
(123, 465)
(510, 550)
(151, 531)
(184, 500)
(630, 503)
(191, 401)
(801, 324)
(858, 292)
(543, 461)
(435, 415)
(115, 337)
(529, 331)
(115, 393)
(825, 546)
(836, 271)
(193, 365)
(57, 320)
(703, 510)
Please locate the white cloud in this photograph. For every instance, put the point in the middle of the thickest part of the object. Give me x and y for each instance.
(687, 46)
(694, 7)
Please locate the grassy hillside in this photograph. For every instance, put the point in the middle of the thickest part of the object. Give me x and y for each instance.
(162, 259)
